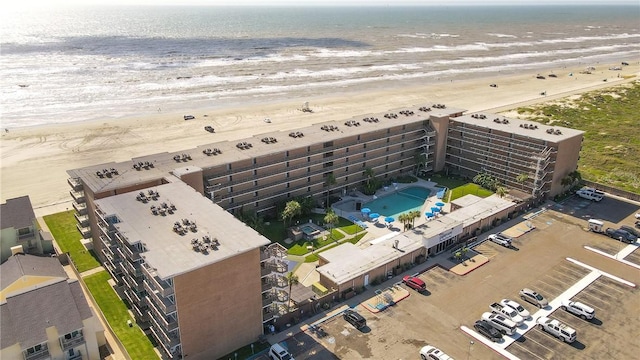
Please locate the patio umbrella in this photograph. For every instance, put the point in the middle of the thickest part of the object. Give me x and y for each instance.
(365, 210)
(374, 215)
(389, 219)
(428, 214)
(441, 204)
(435, 209)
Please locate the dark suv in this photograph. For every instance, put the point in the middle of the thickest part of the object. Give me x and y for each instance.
(621, 235)
(630, 230)
(485, 328)
(354, 319)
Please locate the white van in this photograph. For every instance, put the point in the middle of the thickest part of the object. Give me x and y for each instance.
(277, 352)
(501, 323)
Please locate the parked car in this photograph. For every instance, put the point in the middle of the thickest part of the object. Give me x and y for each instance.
(500, 322)
(630, 230)
(277, 352)
(533, 297)
(354, 319)
(621, 235)
(500, 239)
(577, 308)
(557, 329)
(590, 195)
(508, 312)
(431, 352)
(519, 308)
(414, 283)
(487, 330)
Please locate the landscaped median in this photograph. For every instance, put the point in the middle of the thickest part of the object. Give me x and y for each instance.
(115, 312)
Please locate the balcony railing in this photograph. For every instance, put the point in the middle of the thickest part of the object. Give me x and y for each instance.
(78, 196)
(71, 343)
(75, 184)
(164, 342)
(162, 304)
(154, 285)
(38, 355)
(80, 208)
(82, 219)
(85, 231)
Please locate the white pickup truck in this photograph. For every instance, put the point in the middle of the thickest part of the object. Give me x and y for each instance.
(507, 311)
(557, 329)
(500, 239)
(590, 194)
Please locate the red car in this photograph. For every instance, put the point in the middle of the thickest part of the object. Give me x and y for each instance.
(414, 283)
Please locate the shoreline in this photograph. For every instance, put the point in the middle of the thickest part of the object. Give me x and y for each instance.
(33, 153)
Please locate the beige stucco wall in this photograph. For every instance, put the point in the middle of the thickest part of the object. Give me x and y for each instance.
(566, 160)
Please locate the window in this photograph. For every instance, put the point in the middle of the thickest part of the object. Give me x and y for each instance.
(255, 194)
(24, 231)
(364, 146)
(255, 182)
(255, 172)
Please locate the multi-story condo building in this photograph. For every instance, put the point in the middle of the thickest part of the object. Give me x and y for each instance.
(507, 148)
(203, 283)
(136, 212)
(44, 314)
(20, 232)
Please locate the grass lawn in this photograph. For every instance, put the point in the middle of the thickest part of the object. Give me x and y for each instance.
(275, 232)
(300, 248)
(115, 311)
(609, 118)
(64, 231)
(469, 188)
(449, 182)
(314, 257)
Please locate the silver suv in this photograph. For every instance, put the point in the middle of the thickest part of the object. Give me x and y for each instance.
(500, 239)
(533, 297)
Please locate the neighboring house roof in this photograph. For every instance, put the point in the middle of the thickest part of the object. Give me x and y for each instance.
(21, 265)
(25, 317)
(17, 213)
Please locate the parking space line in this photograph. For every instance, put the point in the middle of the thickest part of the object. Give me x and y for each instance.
(493, 346)
(591, 303)
(573, 270)
(527, 350)
(619, 256)
(610, 276)
(553, 286)
(539, 343)
(611, 288)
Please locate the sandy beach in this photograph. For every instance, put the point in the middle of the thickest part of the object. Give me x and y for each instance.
(34, 160)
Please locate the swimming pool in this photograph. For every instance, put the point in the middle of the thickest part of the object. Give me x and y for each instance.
(308, 230)
(399, 202)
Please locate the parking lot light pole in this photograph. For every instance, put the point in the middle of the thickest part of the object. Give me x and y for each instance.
(469, 351)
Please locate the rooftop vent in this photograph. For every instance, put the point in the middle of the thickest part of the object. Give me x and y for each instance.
(182, 157)
(244, 145)
(296, 134)
(391, 115)
(209, 152)
(142, 165)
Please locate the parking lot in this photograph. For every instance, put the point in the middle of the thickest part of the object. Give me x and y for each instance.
(538, 261)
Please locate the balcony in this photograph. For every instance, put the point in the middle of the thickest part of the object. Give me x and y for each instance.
(130, 254)
(85, 231)
(78, 196)
(38, 355)
(71, 342)
(163, 305)
(155, 284)
(77, 355)
(164, 341)
(75, 184)
(83, 220)
(133, 269)
(161, 323)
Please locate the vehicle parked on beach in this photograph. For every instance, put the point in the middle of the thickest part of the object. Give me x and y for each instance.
(487, 330)
(621, 235)
(433, 353)
(557, 329)
(507, 311)
(577, 308)
(500, 239)
(517, 307)
(533, 297)
(414, 283)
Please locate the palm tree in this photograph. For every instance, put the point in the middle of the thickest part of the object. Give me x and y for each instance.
(369, 174)
(501, 191)
(404, 219)
(291, 210)
(292, 279)
(413, 215)
(332, 219)
(522, 178)
(329, 181)
(420, 160)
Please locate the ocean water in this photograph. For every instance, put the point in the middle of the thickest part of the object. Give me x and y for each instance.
(85, 63)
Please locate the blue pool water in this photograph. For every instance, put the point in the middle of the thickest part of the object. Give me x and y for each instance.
(308, 229)
(399, 202)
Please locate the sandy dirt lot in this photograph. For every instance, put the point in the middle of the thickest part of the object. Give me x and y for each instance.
(539, 261)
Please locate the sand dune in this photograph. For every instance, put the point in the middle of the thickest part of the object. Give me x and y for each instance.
(34, 160)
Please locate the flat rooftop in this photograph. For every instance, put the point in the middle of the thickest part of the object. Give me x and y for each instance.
(523, 128)
(155, 166)
(168, 252)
